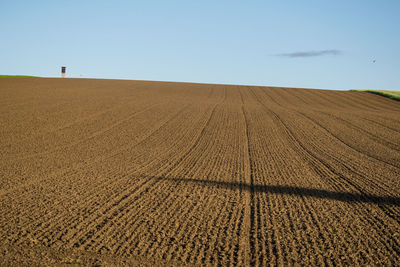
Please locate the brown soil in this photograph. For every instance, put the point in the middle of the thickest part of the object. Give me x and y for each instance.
(111, 172)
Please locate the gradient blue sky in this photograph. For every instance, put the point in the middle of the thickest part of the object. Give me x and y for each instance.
(234, 42)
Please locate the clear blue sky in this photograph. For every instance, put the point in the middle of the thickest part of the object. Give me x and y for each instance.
(315, 44)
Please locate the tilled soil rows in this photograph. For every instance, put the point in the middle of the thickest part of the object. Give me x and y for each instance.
(113, 172)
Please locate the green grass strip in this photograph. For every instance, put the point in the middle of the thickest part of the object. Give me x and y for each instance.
(390, 94)
(17, 76)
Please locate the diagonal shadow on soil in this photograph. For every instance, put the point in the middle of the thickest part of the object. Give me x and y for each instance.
(291, 190)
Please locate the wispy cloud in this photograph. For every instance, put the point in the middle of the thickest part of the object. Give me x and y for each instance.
(312, 53)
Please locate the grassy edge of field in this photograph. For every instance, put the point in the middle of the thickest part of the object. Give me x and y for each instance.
(17, 76)
(395, 95)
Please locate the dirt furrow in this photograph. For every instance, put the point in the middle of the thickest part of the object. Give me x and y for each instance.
(113, 172)
(374, 222)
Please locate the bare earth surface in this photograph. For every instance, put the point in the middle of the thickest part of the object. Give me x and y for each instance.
(112, 172)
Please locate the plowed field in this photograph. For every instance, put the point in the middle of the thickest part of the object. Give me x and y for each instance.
(108, 172)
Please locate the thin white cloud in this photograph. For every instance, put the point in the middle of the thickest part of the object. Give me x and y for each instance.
(334, 52)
